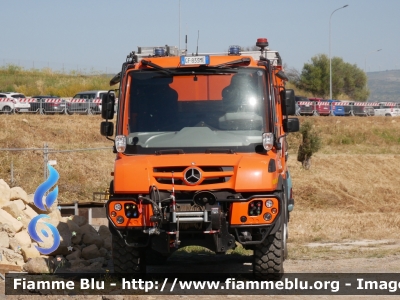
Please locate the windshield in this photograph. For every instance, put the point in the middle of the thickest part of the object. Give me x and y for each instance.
(194, 113)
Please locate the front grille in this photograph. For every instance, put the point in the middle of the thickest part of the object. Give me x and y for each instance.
(210, 174)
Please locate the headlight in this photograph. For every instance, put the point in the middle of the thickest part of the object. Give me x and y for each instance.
(267, 216)
(117, 206)
(120, 143)
(268, 203)
(268, 140)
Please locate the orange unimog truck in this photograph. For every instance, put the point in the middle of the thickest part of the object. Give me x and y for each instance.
(201, 156)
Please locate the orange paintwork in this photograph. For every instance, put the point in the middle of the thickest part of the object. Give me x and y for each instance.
(142, 221)
(239, 209)
(250, 172)
(135, 173)
(202, 90)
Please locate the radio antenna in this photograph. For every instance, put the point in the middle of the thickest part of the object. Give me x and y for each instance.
(186, 44)
(179, 33)
(197, 48)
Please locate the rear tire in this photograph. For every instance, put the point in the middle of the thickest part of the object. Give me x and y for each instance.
(127, 259)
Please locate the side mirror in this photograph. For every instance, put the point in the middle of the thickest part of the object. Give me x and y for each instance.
(107, 106)
(107, 128)
(288, 102)
(291, 125)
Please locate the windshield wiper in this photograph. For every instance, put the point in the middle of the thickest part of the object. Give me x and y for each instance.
(149, 63)
(220, 150)
(170, 151)
(244, 60)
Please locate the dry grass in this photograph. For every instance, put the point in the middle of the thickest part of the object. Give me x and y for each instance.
(351, 192)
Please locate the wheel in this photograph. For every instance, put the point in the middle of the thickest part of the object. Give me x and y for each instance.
(69, 112)
(388, 115)
(285, 213)
(268, 257)
(127, 259)
(7, 109)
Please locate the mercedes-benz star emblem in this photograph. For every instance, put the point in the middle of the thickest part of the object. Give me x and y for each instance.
(192, 176)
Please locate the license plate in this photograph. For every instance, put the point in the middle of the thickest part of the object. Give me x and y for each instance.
(195, 60)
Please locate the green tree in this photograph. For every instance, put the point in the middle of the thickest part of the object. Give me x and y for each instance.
(347, 79)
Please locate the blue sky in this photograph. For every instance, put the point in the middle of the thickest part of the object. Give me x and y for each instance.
(98, 34)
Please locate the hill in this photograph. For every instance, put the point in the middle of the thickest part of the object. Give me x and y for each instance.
(384, 86)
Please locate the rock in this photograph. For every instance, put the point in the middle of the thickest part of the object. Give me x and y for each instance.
(77, 264)
(79, 220)
(12, 209)
(103, 252)
(14, 244)
(20, 204)
(90, 239)
(5, 193)
(88, 229)
(37, 265)
(7, 228)
(30, 252)
(55, 215)
(6, 218)
(97, 259)
(12, 257)
(74, 255)
(29, 199)
(29, 212)
(90, 236)
(104, 232)
(23, 239)
(95, 266)
(4, 240)
(18, 193)
(108, 243)
(75, 231)
(90, 252)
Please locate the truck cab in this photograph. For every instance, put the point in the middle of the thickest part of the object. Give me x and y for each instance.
(201, 156)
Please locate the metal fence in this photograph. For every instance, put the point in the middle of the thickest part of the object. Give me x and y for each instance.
(51, 106)
(46, 152)
(325, 108)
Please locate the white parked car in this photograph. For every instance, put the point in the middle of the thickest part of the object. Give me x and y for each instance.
(389, 109)
(86, 102)
(11, 101)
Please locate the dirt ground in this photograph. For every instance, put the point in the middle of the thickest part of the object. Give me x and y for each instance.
(204, 263)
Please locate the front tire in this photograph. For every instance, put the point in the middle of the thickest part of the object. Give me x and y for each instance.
(268, 257)
(127, 259)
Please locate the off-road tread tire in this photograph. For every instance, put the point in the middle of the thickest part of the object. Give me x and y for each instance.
(127, 259)
(268, 257)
